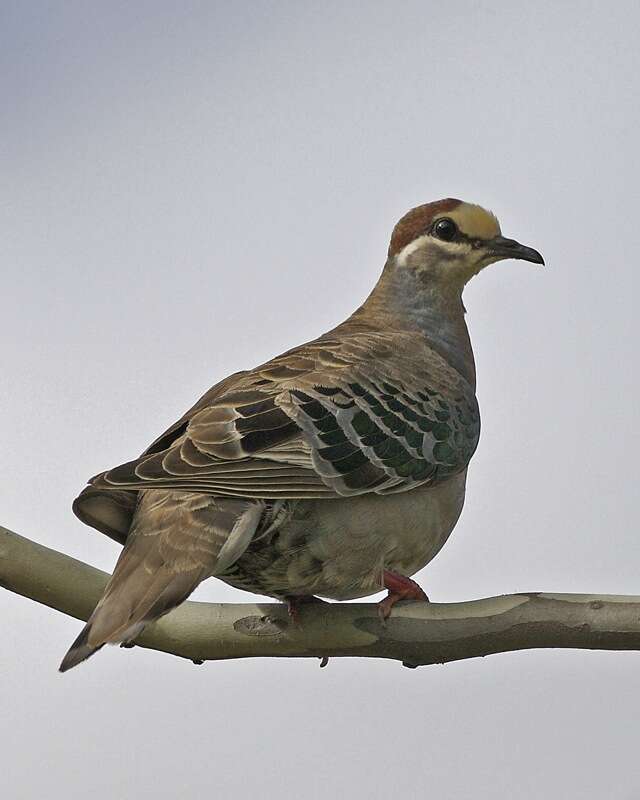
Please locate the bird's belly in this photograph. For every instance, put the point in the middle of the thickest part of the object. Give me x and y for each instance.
(339, 548)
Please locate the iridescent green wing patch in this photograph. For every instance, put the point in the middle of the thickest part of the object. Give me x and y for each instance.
(383, 437)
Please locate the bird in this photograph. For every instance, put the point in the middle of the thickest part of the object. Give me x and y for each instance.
(333, 471)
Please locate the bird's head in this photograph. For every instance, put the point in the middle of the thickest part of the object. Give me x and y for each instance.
(449, 241)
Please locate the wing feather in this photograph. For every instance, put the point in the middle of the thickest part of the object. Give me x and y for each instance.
(339, 416)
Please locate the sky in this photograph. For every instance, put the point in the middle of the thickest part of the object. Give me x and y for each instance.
(191, 188)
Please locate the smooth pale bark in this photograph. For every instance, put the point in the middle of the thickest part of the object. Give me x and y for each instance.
(416, 633)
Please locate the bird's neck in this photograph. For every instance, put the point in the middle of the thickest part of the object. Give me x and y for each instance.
(402, 301)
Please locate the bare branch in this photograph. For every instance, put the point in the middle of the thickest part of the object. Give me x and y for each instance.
(416, 634)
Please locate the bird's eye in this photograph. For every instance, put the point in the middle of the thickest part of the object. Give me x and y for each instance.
(445, 229)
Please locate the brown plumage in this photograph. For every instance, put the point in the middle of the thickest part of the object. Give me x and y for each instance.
(327, 470)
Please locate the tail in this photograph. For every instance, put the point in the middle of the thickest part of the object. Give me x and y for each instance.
(79, 651)
(128, 605)
(176, 540)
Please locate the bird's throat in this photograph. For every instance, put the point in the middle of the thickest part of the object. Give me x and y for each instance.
(436, 311)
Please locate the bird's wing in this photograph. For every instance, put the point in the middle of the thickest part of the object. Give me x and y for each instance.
(365, 412)
(111, 512)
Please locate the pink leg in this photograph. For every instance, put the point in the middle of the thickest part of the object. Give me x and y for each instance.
(400, 588)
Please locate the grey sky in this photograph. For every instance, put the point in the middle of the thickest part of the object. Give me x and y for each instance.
(190, 188)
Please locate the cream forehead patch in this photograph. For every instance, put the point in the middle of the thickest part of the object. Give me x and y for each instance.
(475, 221)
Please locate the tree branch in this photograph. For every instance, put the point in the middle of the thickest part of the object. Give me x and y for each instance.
(416, 633)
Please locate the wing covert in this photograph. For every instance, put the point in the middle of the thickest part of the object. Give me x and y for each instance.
(332, 418)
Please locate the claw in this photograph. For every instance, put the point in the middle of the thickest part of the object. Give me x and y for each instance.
(400, 588)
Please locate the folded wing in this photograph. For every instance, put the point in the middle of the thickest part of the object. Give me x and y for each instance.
(332, 418)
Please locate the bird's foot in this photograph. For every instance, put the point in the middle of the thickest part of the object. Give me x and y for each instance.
(294, 602)
(400, 588)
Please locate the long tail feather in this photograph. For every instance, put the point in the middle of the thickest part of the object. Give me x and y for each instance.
(123, 614)
(78, 652)
(177, 540)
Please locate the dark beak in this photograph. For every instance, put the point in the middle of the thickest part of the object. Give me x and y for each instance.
(509, 248)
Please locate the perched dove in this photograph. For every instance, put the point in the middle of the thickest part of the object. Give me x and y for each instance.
(336, 469)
